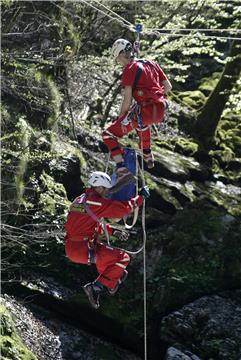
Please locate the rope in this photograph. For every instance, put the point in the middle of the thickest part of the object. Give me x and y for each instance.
(144, 254)
(104, 13)
(114, 13)
(150, 31)
(147, 31)
(196, 29)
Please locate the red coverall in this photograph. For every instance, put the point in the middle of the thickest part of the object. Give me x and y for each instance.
(149, 95)
(82, 230)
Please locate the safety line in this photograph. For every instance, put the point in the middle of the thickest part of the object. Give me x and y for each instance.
(196, 29)
(104, 13)
(131, 27)
(193, 35)
(108, 9)
(144, 254)
(149, 31)
(92, 6)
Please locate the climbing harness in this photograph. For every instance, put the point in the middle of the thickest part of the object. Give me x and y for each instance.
(83, 201)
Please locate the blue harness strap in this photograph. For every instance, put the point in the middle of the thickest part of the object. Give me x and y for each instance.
(128, 191)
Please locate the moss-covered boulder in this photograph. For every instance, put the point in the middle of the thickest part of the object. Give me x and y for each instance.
(192, 99)
(11, 345)
(210, 327)
(201, 253)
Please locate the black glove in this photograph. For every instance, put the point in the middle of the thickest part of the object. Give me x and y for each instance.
(145, 192)
(122, 235)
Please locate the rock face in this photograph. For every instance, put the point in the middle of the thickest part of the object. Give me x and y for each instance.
(50, 338)
(175, 354)
(210, 327)
(11, 346)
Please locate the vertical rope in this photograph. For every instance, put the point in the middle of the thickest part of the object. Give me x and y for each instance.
(144, 253)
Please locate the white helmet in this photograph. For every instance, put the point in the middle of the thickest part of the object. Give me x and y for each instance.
(99, 178)
(119, 45)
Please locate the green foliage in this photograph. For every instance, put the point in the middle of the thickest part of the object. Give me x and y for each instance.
(187, 55)
(52, 198)
(11, 346)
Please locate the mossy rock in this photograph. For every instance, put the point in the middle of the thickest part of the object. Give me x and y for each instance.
(185, 147)
(175, 166)
(193, 99)
(11, 345)
(198, 245)
(208, 84)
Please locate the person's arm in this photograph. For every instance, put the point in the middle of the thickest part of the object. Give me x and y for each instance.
(114, 209)
(167, 86)
(127, 99)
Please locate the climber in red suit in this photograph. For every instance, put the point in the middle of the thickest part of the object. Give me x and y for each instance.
(83, 228)
(146, 82)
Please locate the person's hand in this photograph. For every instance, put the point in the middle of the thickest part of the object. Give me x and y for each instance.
(122, 235)
(145, 192)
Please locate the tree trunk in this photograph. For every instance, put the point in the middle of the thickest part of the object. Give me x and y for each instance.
(208, 119)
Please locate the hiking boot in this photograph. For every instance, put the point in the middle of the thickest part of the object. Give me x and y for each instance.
(93, 293)
(112, 292)
(149, 160)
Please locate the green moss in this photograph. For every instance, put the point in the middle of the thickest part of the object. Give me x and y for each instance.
(11, 345)
(192, 99)
(25, 132)
(208, 84)
(185, 146)
(53, 199)
(194, 255)
(55, 102)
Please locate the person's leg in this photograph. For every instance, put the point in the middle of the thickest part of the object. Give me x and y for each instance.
(77, 251)
(144, 135)
(150, 114)
(120, 127)
(111, 264)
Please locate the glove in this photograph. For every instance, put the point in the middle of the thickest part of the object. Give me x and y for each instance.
(145, 192)
(122, 235)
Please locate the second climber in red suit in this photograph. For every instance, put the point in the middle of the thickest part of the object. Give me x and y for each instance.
(83, 228)
(146, 82)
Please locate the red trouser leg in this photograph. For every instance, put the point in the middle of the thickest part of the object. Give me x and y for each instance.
(110, 263)
(144, 135)
(150, 114)
(118, 130)
(77, 251)
(153, 113)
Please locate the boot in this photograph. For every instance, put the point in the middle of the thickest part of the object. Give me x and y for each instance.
(149, 159)
(93, 292)
(112, 292)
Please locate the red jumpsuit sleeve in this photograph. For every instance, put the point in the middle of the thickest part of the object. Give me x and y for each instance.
(162, 75)
(101, 230)
(129, 74)
(113, 209)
